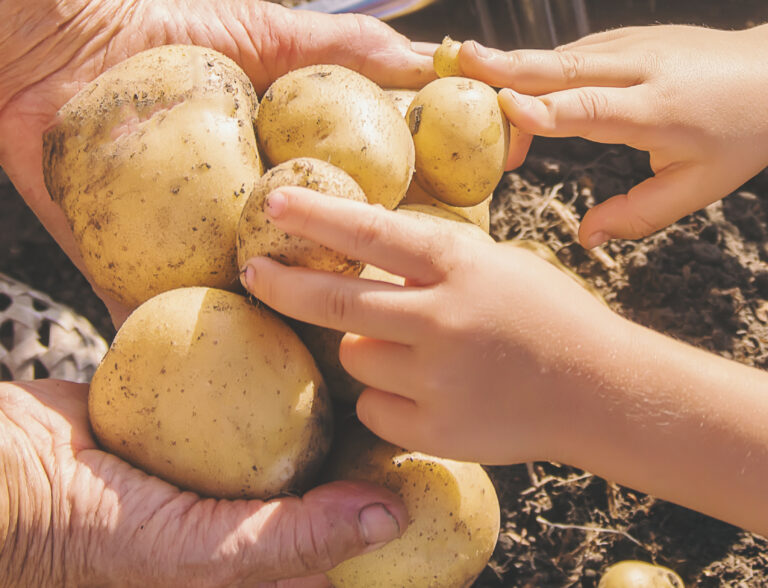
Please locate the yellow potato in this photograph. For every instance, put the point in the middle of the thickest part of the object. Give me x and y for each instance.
(445, 60)
(152, 163)
(213, 394)
(257, 235)
(639, 574)
(479, 214)
(461, 138)
(332, 113)
(453, 508)
(445, 218)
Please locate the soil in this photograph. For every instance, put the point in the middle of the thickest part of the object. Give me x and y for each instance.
(703, 280)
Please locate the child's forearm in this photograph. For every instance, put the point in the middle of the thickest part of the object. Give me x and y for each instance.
(681, 424)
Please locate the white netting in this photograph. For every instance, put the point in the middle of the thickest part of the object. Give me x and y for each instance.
(42, 338)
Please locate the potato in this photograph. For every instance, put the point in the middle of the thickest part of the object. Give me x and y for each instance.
(453, 508)
(461, 138)
(152, 163)
(639, 574)
(402, 99)
(257, 235)
(324, 343)
(445, 60)
(479, 214)
(213, 394)
(332, 113)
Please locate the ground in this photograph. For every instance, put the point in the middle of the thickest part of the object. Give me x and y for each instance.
(703, 280)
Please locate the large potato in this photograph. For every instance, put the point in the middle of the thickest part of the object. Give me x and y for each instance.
(152, 163)
(461, 138)
(332, 113)
(401, 98)
(453, 508)
(214, 394)
(257, 235)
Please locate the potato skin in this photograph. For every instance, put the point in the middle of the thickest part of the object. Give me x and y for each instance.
(639, 574)
(479, 214)
(213, 394)
(402, 99)
(461, 138)
(444, 217)
(453, 507)
(257, 235)
(152, 163)
(445, 60)
(334, 114)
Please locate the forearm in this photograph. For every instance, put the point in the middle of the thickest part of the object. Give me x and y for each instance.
(681, 424)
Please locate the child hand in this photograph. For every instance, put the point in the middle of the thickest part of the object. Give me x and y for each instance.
(485, 355)
(692, 97)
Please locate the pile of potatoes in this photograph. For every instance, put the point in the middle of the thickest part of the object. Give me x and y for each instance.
(161, 166)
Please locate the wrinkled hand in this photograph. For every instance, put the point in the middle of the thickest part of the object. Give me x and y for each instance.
(692, 97)
(52, 49)
(482, 356)
(82, 517)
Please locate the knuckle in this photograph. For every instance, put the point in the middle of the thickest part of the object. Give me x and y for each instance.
(338, 302)
(367, 233)
(571, 64)
(593, 104)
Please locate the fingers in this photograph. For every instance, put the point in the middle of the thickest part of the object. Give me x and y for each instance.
(649, 206)
(380, 364)
(345, 303)
(391, 417)
(519, 144)
(539, 72)
(606, 115)
(397, 244)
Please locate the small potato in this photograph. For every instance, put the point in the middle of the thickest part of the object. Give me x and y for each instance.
(453, 508)
(639, 574)
(152, 163)
(444, 218)
(332, 113)
(257, 235)
(461, 138)
(479, 214)
(446, 58)
(213, 394)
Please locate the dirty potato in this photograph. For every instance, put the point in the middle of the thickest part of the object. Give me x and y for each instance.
(152, 163)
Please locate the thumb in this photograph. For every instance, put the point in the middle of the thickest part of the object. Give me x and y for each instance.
(292, 537)
(651, 205)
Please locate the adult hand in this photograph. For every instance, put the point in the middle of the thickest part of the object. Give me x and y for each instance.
(49, 50)
(82, 517)
(692, 97)
(480, 357)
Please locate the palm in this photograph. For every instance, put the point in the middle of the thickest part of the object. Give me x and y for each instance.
(265, 39)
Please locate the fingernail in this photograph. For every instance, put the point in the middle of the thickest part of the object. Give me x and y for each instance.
(596, 239)
(480, 51)
(520, 100)
(247, 276)
(378, 525)
(275, 204)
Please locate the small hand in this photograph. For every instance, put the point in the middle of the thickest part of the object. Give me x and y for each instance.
(692, 97)
(72, 43)
(482, 356)
(82, 517)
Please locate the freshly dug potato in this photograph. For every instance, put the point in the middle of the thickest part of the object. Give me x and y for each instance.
(445, 60)
(213, 394)
(332, 113)
(545, 253)
(402, 99)
(152, 163)
(479, 214)
(257, 235)
(453, 508)
(324, 343)
(461, 138)
(639, 574)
